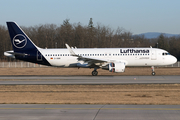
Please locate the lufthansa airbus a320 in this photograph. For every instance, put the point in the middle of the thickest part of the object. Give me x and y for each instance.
(112, 59)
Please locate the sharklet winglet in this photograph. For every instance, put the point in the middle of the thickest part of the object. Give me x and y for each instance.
(70, 50)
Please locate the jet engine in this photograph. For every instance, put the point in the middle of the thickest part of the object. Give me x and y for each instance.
(115, 67)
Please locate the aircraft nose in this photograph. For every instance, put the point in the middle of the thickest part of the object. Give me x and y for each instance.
(173, 59)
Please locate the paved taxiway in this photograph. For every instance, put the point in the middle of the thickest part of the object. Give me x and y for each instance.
(5, 80)
(88, 112)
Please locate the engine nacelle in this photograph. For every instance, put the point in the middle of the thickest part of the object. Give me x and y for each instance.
(117, 67)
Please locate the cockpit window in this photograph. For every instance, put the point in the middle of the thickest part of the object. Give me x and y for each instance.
(165, 53)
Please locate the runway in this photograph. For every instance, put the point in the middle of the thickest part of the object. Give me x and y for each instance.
(33, 80)
(88, 112)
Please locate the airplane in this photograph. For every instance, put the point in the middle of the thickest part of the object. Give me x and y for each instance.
(113, 59)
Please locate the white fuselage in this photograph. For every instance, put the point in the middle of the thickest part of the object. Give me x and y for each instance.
(130, 56)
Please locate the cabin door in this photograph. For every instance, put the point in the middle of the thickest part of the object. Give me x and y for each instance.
(153, 55)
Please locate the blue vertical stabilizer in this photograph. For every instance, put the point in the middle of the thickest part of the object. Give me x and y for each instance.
(20, 41)
(24, 48)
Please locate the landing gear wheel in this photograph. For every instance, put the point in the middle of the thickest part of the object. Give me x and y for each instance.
(153, 73)
(94, 73)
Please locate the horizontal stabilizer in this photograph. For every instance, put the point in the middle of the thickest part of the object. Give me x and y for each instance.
(13, 54)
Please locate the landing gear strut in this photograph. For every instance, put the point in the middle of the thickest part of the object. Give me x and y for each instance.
(153, 72)
(94, 72)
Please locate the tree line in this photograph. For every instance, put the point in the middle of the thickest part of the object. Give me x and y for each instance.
(87, 36)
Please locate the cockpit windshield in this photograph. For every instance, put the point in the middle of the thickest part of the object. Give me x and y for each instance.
(165, 53)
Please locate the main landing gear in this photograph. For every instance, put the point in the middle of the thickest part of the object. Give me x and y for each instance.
(94, 72)
(153, 72)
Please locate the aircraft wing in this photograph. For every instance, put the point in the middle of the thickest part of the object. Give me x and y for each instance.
(91, 61)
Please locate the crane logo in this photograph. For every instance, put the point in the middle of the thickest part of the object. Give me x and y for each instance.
(19, 41)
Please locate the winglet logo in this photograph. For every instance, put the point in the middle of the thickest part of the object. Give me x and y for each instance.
(19, 41)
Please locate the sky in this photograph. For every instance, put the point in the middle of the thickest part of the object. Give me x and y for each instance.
(136, 16)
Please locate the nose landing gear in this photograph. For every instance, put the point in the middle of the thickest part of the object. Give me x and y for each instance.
(153, 72)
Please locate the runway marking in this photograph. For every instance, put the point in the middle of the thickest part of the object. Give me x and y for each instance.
(90, 109)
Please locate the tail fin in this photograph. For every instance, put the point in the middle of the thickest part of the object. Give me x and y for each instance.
(20, 41)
